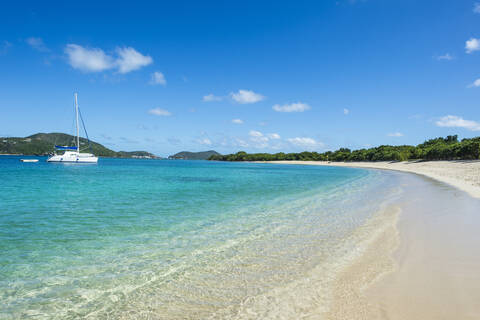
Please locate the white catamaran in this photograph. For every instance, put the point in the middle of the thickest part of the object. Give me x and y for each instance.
(73, 154)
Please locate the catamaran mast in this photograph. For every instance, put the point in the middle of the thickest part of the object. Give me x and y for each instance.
(78, 131)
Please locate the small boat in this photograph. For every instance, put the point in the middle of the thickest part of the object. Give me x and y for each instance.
(29, 160)
(72, 154)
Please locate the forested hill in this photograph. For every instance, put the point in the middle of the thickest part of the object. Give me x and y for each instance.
(43, 143)
(203, 155)
(449, 148)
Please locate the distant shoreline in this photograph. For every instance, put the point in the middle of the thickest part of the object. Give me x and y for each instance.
(462, 174)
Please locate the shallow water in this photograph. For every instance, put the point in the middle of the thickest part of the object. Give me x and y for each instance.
(178, 239)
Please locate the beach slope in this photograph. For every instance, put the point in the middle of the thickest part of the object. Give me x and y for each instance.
(436, 261)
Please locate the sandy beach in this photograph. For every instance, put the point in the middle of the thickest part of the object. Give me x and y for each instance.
(425, 267)
(464, 175)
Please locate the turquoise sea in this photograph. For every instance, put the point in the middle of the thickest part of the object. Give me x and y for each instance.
(159, 239)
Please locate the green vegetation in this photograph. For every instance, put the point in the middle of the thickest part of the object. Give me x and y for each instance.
(203, 155)
(43, 144)
(135, 154)
(449, 148)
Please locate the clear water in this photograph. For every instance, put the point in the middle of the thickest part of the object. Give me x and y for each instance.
(153, 239)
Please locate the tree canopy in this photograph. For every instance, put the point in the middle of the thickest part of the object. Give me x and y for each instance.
(449, 148)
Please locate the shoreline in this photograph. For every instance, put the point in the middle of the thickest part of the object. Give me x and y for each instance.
(435, 261)
(462, 174)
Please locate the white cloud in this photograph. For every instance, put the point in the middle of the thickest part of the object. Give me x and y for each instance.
(446, 56)
(246, 96)
(476, 7)
(274, 136)
(88, 60)
(240, 143)
(305, 142)
(37, 44)
(130, 60)
(458, 122)
(346, 111)
(475, 83)
(254, 133)
(237, 121)
(211, 97)
(159, 112)
(259, 140)
(204, 141)
(293, 107)
(395, 134)
(472, 45)
(96, 60)
(158, 78)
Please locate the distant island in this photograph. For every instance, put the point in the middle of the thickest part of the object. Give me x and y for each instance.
(449, 148)
(43, 144)
(186, 155)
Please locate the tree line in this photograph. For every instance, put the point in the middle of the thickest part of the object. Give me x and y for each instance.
(449, 148)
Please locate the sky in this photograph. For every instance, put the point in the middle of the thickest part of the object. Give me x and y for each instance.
(258, 76)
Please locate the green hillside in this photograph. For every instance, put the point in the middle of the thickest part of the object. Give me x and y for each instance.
(43, 144)
(203, 155)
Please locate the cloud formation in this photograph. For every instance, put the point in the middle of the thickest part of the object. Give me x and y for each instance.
(472, 45)
(259, 140)
(160, 112)
(37, 44)
(273, 136)
(246, 97)
(96, 60)
(458, 122)
(305, 142)
(254, 133)
(158, 78)
(88, 60)
(237, 121)
(395, 134)
(204, 141)
(240, 143)
(446, 56)
(211, 97)
(475, 83)
(476, 7)
(346, 111)
(130, 59)
(292, 107)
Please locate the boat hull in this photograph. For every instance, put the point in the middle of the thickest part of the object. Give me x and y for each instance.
(73, 157)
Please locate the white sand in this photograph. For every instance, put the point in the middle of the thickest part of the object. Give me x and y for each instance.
(465, 175)
(436, 261)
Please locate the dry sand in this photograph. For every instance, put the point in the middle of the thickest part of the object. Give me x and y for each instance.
(435, 262)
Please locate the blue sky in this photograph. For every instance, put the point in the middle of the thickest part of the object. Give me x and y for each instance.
(242, 75)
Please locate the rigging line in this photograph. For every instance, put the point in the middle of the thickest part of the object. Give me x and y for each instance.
(72, 141)
(85, 129)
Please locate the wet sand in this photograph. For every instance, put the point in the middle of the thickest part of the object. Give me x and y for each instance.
(427, 265)
(438, 259)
